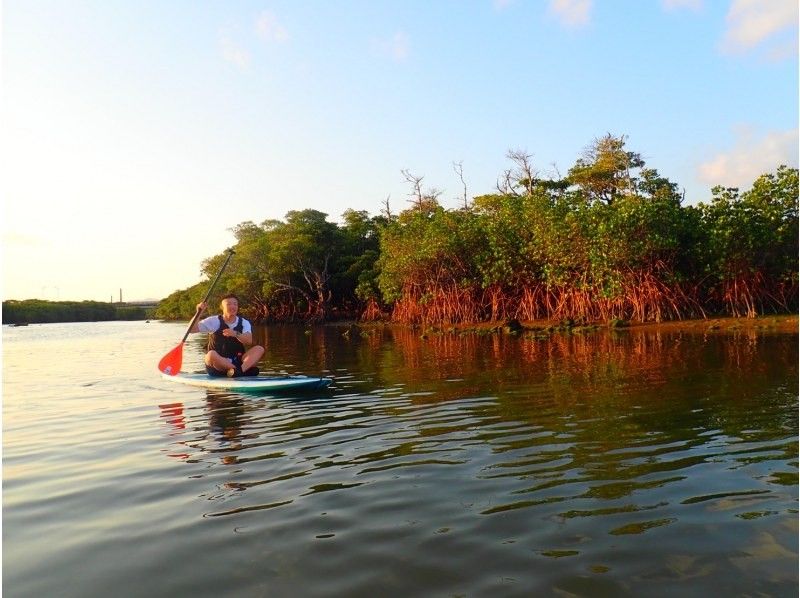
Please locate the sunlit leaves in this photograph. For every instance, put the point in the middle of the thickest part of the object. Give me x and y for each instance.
(611, 240)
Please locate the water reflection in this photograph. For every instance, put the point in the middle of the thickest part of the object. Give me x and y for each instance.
(569, 448)
(173, 414)
(226, 416)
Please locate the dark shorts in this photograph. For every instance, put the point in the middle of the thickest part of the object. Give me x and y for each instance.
(237, 361)
(215, 372)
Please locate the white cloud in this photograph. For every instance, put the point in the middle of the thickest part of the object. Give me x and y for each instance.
(571, 13)
(233, 52)
(396, 47)
(270, 29)
(750, 157)
(678, 4)
(756, 23)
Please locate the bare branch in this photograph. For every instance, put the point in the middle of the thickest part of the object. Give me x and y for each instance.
(506, 186)
(422, 200)
(416, 183)
(525, 174)
(432, 194)
(386, 211)
(459, 168)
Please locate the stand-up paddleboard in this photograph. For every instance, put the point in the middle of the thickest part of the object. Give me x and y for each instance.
(250, 383)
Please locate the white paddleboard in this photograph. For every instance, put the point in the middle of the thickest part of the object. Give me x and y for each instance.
(250, 383)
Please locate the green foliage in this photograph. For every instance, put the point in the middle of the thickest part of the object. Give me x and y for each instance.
(181, 305)
(427, 245)
(750, 242)
(302, 268)
(354, 276)
(613, 243)
(504, 224)
(37, 311)
(610, 241)
(605, 171)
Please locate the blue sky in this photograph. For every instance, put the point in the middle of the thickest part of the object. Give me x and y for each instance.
(136, 134)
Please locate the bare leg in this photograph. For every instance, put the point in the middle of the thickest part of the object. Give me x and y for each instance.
(218, 362)
(252, 357)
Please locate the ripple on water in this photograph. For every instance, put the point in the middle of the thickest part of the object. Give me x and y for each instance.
(602, 465)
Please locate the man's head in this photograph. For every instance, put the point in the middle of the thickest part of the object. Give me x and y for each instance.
(229, 305)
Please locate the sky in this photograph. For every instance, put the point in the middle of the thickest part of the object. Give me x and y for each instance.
(134, 135)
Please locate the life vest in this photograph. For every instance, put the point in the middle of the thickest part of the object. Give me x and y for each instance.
(227, 346)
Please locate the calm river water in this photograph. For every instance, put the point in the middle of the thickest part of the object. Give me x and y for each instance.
(611, 464)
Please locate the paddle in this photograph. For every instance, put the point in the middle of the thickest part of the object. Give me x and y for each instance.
(171, 362)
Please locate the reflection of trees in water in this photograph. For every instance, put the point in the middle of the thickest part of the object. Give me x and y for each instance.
(645, 379)
(449, 355)
(599, 357)
(608, 419)
(610, 366)
(297, 349)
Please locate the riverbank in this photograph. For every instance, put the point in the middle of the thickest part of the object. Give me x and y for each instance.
(771, 323)
(40, 311)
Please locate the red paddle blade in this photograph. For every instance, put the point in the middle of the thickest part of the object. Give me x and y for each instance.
(171, 362)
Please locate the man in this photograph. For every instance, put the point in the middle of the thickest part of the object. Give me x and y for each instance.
(228, 334)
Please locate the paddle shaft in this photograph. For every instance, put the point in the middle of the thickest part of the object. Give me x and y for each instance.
(208, 294)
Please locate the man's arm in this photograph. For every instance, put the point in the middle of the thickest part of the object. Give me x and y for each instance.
(246, 338)
(201, 307)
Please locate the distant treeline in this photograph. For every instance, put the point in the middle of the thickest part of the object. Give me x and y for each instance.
(37, 311)
(613, 239)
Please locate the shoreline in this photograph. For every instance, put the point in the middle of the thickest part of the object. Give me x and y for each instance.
(785, 323)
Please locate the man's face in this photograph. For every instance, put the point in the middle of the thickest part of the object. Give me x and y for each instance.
(230, 307)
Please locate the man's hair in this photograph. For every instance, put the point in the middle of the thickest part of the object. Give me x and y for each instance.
(229, 296)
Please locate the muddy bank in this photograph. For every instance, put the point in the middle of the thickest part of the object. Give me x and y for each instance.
(781, 323)
(773, 323)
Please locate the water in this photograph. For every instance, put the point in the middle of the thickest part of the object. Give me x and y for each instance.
(615, 464)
